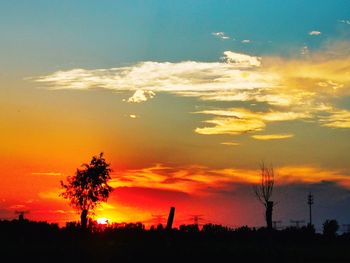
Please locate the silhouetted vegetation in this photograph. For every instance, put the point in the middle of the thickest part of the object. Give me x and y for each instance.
(264, 191)
(88, 187)
(330, 228)
(25, 241)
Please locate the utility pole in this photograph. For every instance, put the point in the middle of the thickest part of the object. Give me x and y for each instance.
(310, 202)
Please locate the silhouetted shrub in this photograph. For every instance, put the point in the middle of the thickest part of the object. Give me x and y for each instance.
(330, 228)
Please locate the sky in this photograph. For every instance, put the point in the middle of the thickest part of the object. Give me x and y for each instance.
(185, 99)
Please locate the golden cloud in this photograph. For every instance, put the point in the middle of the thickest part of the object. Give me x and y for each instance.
(265, 137)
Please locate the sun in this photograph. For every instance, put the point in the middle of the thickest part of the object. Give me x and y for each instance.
(102, 221)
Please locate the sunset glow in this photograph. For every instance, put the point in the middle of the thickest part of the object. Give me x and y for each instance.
(102, 221)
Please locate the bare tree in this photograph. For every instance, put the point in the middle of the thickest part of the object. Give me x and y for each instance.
(263, 191)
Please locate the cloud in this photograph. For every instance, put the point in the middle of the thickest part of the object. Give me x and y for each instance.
(198, 179)
(239, 120)
(336, 119)
(246, 41)
(290, 89)
(265, 137)
(133, 116)
(230, 143)
(48, 173)
(241, 60)
(304, 50)
(347, 22)
(314, 33)
(141, 96)
(220, 35)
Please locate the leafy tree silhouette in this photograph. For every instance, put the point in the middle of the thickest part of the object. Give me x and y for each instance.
(330, 228)
(88, 187)
(264, 191)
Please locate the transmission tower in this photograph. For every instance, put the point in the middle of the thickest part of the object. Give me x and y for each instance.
(275, 223)
(196, 219)
(310, 202)
(297, 222)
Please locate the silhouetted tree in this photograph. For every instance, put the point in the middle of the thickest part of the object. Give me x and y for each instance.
(263, 191)
(88, 187)
(330, 228)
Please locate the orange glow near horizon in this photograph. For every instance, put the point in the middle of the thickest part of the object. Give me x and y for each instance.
(103, 221)
(140, 194)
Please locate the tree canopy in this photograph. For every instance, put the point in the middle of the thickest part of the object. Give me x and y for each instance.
(89, 186)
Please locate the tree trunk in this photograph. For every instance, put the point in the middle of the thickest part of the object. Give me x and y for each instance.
(83, 219)
(269, 207)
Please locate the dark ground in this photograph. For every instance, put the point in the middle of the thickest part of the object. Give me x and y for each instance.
(41, 242)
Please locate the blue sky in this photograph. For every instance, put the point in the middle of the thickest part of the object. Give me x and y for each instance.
(44, 35)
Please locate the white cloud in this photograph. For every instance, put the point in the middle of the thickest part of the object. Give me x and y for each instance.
(246, 41)
(241, 60)
(344, 21)
(304, 50)
(314, 33)
(141, 96)
(188, 78)
(220, 35)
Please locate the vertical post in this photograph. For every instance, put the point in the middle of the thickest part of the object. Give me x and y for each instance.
(169, 224)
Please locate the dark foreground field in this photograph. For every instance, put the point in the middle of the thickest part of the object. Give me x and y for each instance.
(41, 242)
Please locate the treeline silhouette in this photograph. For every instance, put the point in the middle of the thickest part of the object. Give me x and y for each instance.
(28, 241)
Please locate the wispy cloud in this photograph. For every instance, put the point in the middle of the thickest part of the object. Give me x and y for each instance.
(47, 173)
(231, 143)
(246, 41)
(196, 179)
(344, 21)
(305, 50)
(240, 120)
(336, 119)
(220, 35)
(233, 72)
(266, 137)
(306, 88)
(314, 33)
